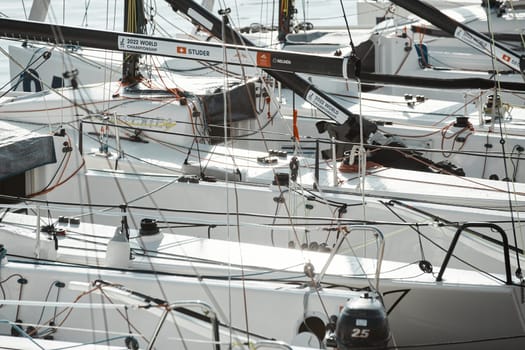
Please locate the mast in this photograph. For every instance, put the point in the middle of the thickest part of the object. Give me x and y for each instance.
(39, 10)
(287, 11)
(134, 22)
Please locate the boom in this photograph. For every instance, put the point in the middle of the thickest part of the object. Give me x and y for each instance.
(275, 61)
(280, 64)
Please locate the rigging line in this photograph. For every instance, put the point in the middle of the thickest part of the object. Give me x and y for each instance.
(497, 86)
(472, 266)
(515, 165)
(266, 146)
(183, 258)
(199, 277)
(73, 74)
(347, 27)
(297, 280)
(285, 204)
(59, 93)
(66, 158)
(362, 150)
(274, 4)
(59, 183)
(178, 310)
(513, 223)
(26, 70)
(85, 17)
(485, 158)
(320, 199)
(480, 186)
(262, 80)
(275, 217)
(68, 310)
(225, 19)
(320, 219)
(201, 168)
(124, 314)
(61, 167)
(446, 223)
(346, 232)
(485, 154)
(157, 277)
(405, 58)
(498, 119)
(413, 227)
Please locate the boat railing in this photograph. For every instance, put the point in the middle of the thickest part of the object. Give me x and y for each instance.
(20, 332)
(180, 305)
(465, 227)
(120, 292)
(184, 304)
(342, 239)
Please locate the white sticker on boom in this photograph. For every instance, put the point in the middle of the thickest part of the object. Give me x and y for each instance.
(326, 107)
(482, 45)
(138, 44)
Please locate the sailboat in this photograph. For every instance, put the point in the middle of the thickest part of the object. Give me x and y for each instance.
(93, 271)
(308, 288)
(271, 293)
(268, 190)
(405, 47)
(447, 127)
(275, 208)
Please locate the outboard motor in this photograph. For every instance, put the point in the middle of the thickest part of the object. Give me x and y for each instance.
(362, 323)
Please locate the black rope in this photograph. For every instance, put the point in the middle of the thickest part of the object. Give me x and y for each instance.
(347, 26)
(502, 143)
(511, 209)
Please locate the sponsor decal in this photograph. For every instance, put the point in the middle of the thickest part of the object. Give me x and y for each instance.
(183, 50)
(198, 52)
(154, 123)
(326, 107)
(279, 60)
(138, 44)
(264, 59)
(472, 40)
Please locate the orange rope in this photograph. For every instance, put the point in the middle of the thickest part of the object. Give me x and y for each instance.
(295, 129)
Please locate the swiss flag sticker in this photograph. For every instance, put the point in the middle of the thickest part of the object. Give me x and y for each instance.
(506, 58)
(181, 50)
(264, 59)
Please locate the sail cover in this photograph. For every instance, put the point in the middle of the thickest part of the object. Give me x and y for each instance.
(20, 154)
(240, 104)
